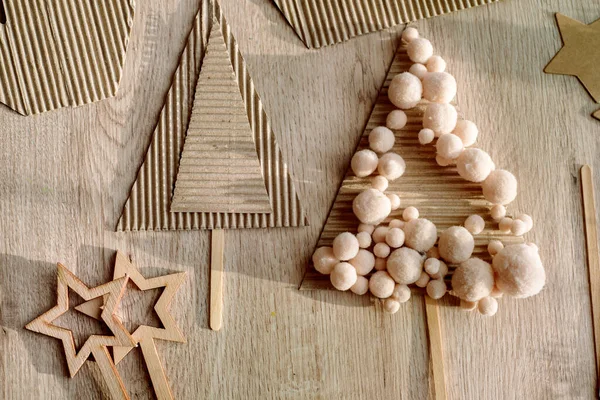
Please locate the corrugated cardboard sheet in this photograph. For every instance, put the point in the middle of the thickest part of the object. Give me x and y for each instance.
(439, 193)
(324, 22)
(148, 206)
(58, 53)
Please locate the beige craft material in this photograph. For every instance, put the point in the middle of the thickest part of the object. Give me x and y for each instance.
(439, 193)
(597, 115)
(59, 53)
(324, 22)
(95, 345)
(144, 335)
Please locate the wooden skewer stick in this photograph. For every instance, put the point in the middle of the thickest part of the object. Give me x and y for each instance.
(593, 254)
(109, 373)
(216, 279)
(436, 348)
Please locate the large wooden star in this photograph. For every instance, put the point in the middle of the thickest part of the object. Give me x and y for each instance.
(95, 344)
(145, 335)
(580, 54)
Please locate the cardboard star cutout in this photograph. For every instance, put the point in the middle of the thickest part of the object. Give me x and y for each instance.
(95, 344)
(580, 54)
(145, 335)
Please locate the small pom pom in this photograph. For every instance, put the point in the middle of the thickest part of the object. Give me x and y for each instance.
(380, 183)
(467, 132)
(366, 228)
(343, 276)
(449, 146)
(391, 306)
(443, 162)
(456, 244)
(426, 136)
(475, 224)
(379, 234)
(371, 207)
(436, 64)
(419, 50)
(395, 200)
(381, 250)
(432, 266)
(500, 187)
(381, 285)
(473, 280)
(405, 265)
(396, 120)
(410, 213)
(381, 139)
(409, 34)
(498, 212)
(395, 237)
(439, 87)
(494, 246)
(396, 223)
(518, 227)
(440, 118)
(361, 287)
(488, 306)
(380, 264)
(405, 91)
(401, 293)
(423, 280)
(519, 271)
(364, 262)
(364, 163)
(364, 239)
(391, 166)
(418, 70)
(345, 246)
(421, 234)
(505, 225)
(436, 289)
(324, 260)
(474, 165)
(433, 253)
(528, 221)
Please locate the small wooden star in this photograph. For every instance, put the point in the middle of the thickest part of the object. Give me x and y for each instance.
(95, 344)
(145, 335)
(580, 54)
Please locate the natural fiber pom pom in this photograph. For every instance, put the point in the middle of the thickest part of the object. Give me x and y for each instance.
(500, 187)
(533, 246)
(488, 306)
(361, 286)
(473, 280)
(381, 284)
(442, 162)
(456, 244)
(324, 260)
(419, 50)
(405, 265)
(418, 70)
(395, 200)
(468, 305)
(401, 293)
(440, 118)
(364, 262)
(518, 227)
(421, 234)
(364, 163)
(494, 246)
(380, 264)
(496, 293)
(405, 91)
(475, 224)
(381, 139)
(528, 221)
(519, 271)
(505, 225)
(467, 132)
(439, 87)
(433, 253)
(498, 212)
(395, 237)
(345, 246)
(396, 120)
(409, 34)
(379, 234)
(442, 272)
(426, 136)
(436, 289)
(343, 276)
(366, 228)
(364, 239)
(380, 183)
(371, 207)
(391, 166)
(436, 64)
(396, 223)
(391, 306)
(381, 250)
(474, 165)
(423, 280)
(410, 213)
(432, 266)
(449, 146)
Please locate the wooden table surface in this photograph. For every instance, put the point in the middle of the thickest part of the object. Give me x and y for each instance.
(65, 176)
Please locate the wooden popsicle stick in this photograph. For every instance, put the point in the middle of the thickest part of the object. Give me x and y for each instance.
(156, 370)
(436, 348)
(593, 256)
(216, 279)
(109, 373)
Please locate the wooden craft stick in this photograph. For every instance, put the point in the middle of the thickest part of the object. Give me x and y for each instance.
(156, 370)
(216, 279)
(436, 348)
(593, 256)
(109, 373)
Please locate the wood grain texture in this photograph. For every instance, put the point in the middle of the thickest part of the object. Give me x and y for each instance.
(436, 348)
(217, 249)
(67, 174)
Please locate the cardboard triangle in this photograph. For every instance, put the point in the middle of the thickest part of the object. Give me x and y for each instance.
(219, 169)
(439, 193)
(148, 206)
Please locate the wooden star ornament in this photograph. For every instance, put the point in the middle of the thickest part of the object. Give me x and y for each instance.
(145, 335)
(95, 345)
(580, 54)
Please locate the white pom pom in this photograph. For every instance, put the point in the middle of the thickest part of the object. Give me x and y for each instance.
(371, 207)
(500, 187)
(391, 166)
(436, 64)
(439, 87)
(449, 146)
(418, 70)
(440, 118)
(475, 224)
(419, 50)
(426, 136)
(396, 120)
(364, 163)
(381, 139)
(409, 34)
(405, 91)
(467, 132)
(474, 165)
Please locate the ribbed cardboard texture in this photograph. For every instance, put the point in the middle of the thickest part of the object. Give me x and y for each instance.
(149, 203)
(324, 22)
(58, 53)
(439, 193)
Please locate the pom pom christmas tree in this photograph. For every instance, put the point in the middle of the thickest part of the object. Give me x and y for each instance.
(214, 162)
